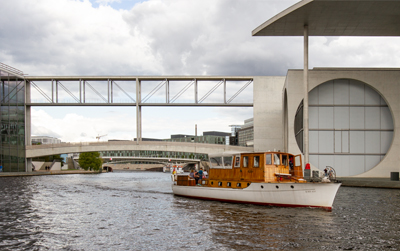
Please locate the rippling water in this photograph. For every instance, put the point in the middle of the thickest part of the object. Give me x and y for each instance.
(137, 211)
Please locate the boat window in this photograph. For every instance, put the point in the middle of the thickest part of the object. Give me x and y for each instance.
(237, 161)
(228, 184)
(220, 183)
(216, 162)
(228, 162)
(256, 162)
(268, 159)
(297, 160)
(291, 162)
(245, 161)
(284, 160)
(277, 160)
(238, 184)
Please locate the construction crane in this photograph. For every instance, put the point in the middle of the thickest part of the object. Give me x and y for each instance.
(99, 136)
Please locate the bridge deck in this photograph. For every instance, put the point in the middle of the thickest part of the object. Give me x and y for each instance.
(33, 151)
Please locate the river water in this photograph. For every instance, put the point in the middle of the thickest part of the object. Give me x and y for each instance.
(137, 211)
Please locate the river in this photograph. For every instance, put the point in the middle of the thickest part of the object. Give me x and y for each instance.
(137, 211)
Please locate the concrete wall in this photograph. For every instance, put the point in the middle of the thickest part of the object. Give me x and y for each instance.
(385, 81)
(268, 113)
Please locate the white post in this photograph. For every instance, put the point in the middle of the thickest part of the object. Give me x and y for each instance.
(138, 112)
(305, 103)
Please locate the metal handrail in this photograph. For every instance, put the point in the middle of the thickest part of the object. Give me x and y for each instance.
(11, 69)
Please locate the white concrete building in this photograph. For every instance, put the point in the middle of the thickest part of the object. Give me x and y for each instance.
(341, 117)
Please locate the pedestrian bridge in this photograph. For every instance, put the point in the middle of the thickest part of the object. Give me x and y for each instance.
(34, 151)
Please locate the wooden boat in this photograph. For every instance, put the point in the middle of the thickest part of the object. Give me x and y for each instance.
(264, 178)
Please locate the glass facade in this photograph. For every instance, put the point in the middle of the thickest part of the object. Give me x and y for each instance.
(246, 136)
(350, 127)
(12, 122)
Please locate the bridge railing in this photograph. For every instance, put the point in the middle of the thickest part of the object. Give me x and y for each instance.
(153, 143)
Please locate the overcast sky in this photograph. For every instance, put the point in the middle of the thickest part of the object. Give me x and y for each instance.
(161, 37)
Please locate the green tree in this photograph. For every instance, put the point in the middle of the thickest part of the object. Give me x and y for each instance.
(90, 160)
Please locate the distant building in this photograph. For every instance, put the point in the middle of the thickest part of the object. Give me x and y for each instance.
(246, 133)
(148, 139)
(45, 140)
(211, 137)
(234, 138)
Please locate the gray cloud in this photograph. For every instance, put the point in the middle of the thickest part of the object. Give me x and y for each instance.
(169, 37)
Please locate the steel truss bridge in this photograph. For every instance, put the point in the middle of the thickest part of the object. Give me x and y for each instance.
(159, 160)
(174, 90)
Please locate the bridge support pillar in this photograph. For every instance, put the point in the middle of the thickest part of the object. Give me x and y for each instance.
(138, 112)
(28, 164)
(28, 125)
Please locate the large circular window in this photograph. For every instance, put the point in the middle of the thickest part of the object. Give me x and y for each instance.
(350, 127)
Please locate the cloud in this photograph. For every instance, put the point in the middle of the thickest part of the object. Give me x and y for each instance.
(154, 37)
(77, 126)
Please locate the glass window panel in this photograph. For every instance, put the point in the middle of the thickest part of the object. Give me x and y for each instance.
(313, 96)
(341, 116)
(341, 92)
(313, 117)
(228, 162)
(372, 118)
(216, 162)
(314, 159)
(325, 118)
(284, 160)
(357, 142)
(237, 161)
(371, 96)
(357, 118)
(245, 161)
(338, 141)
(325, 141)
(386, 119)
(313, 139)
(256, 161)
(356, 93)
(268, 159)
(372, 142)
(277, 159)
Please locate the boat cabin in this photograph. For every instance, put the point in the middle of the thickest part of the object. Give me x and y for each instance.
(243, 168)
(238, 170)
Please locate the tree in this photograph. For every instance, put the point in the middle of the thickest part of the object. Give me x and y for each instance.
(90, 160)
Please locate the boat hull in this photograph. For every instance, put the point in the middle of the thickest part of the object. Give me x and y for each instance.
(319, 195)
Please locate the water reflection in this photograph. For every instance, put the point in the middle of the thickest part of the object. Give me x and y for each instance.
(137, 211)
(17, 215)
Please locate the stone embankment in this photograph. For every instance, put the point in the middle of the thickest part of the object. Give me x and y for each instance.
(37, 173)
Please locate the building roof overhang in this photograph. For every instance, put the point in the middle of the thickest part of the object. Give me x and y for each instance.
(335, 18)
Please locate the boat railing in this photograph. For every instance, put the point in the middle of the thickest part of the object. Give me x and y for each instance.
(328, 175)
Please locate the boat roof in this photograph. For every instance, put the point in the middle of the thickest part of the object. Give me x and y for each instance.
(237, 153)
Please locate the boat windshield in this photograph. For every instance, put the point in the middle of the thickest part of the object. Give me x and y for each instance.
(277, 160)
(216, 162)
(228, 162)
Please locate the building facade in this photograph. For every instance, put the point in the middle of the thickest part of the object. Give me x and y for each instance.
(211, 137)
(12, 121)
(352, 119)
(246, 133)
